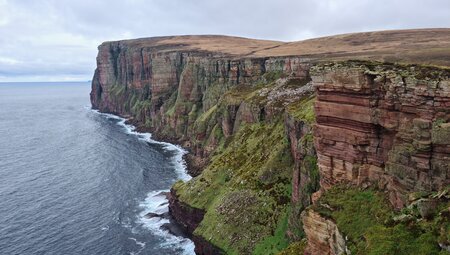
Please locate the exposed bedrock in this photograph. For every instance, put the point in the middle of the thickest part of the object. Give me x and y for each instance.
(165, 92)
(208, 103)
(383, 124)
(265, 150)
(323, 235)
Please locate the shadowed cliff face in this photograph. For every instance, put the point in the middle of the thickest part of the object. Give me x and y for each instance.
(263, 146)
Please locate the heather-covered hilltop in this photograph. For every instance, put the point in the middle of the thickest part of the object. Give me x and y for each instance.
(335, 145)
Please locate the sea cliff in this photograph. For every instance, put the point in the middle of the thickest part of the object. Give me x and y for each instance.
(295, 147)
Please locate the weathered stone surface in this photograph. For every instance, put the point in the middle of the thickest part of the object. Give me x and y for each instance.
(323, 235)
(165, 91)
(375, 124)
(188, 217)
(383, 124)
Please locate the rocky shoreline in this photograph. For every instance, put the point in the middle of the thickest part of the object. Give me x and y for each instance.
(278, 142)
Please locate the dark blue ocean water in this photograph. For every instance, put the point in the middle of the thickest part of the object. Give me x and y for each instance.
(73, 181)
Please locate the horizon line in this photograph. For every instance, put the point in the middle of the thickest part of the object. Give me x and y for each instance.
(45, 81)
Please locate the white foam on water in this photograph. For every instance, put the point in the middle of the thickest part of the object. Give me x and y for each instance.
(179, 152)
(140, 244)
(156, 201)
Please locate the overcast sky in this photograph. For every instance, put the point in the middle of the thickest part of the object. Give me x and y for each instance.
(56, 40)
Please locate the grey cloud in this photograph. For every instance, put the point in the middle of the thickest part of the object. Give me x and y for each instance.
(58, 38)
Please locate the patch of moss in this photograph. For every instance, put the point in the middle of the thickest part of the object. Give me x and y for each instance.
(213, 93)
(303, 110)
(170, 104)
(272, 76)
(276, 242)
(206, 115)
(244, 190)
(295, 248)
(310, 165)
(365, 217)
(140, 107)
(242, 92)
(238, 220)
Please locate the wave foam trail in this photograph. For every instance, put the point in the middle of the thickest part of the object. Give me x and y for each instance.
(156, 202)
(179, 152)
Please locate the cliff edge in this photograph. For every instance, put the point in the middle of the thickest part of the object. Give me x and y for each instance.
(326, 146)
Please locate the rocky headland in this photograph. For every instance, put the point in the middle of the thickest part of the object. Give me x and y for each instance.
(335, 145)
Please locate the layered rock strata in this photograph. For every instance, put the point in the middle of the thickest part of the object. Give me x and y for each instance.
(165, 92)
(260, 153)
(383, 124)
(202, 101)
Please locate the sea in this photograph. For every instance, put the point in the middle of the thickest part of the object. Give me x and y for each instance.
(76, 181)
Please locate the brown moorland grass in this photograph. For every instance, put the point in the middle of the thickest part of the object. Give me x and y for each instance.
(421, 46)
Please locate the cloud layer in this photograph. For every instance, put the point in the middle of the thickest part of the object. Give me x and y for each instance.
(43, 40)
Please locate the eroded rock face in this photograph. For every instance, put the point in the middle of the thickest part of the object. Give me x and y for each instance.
(323, 235)
(175, 95)
(165, 91)
(189, 218)
(380, 125)
(383, 125)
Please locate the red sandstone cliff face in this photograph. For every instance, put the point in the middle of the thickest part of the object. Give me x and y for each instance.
(323, 235)
(164, 91)
(383, 125)
(174, 94)
(376, 124)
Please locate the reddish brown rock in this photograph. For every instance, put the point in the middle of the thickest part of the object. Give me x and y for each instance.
(188, 219)
(165, 90)
(323, 235)
(375, 125)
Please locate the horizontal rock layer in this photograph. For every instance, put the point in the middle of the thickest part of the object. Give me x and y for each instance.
(175, 95)
(383, 124)
(165, 91)
(375, 125)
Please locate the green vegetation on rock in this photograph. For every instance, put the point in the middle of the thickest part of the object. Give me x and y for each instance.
(373, 228)
(246, 187)
(303, 110)
(295, 248)
(277, 242)
(245, 191)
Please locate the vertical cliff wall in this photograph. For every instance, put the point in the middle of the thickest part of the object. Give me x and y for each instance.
(247, 123)
(385, 124)
(272, 136)
(166, 92)
(382, 128)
